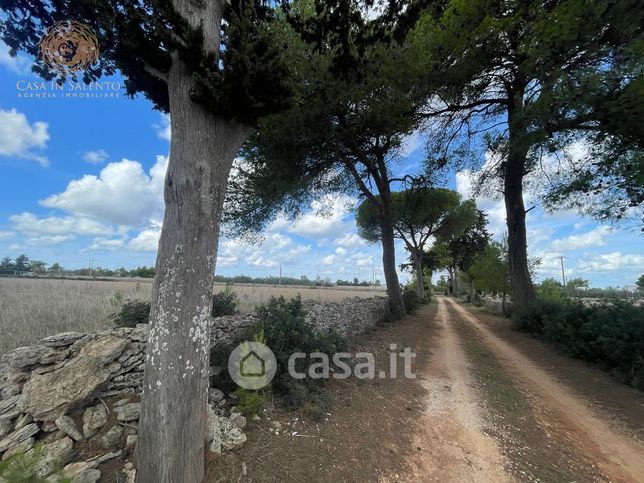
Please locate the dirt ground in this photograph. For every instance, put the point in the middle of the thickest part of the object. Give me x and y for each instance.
(487, 405)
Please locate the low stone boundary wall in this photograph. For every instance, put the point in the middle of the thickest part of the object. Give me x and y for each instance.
(78, 393)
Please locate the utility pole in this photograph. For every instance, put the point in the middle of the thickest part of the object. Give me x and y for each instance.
(563, 276)
(280, 282)
(373, 277)
(91, 265)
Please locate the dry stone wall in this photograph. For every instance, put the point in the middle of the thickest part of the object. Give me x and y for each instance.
(72, 400)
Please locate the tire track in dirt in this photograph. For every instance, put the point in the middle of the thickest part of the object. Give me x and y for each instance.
(616, 454)
(459, 449)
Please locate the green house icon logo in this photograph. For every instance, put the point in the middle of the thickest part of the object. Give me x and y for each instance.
(252, 365)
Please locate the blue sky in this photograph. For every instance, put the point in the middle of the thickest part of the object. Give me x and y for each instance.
(82, 179)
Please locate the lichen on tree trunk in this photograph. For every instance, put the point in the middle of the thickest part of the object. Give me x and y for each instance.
(173, 417)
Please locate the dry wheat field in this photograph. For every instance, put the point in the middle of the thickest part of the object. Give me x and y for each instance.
(31, 308)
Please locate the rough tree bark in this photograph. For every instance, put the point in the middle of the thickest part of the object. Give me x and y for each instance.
(418, 267)
(173, 412)
(453, 272)
(521, 286)
(396, 303)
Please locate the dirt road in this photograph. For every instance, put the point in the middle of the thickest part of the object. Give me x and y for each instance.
(467, 454)
(619, 457)
(487, 405)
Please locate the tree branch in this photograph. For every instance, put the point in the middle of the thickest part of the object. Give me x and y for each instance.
(155, 72)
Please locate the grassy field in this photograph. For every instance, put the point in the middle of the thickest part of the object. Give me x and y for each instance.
(31, 309)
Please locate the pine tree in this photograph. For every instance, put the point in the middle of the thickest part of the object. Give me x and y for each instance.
(216, 67)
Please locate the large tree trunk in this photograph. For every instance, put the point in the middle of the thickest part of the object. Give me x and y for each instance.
(454, 281)
(472, 291)
(521, 286)
(420, 283)
(396, 303)
(170, 446)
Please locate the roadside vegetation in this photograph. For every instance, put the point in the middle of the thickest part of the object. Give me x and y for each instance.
(608, 334)
(33, 308)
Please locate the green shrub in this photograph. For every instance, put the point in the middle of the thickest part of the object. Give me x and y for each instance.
(412, 301)
(225, 302)
(286, 332)
(610, 335)
(22, 467)
(116, 299)
(132, 312)
(530, 317)
(135, 312)
(249, 402)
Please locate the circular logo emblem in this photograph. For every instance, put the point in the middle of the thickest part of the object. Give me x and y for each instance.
(69, 46)
(252, 365)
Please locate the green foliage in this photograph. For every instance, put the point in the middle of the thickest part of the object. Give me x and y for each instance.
(412, 301)
(531, 318)
(610, 335)
(422, 211)
(640, 284)
(442, 285)
(23, 466)
(550, 290)
(246, 74)
(574, 286)
(143, 272)
(356, 106)
(249, 402)
(132, 312)
(117, 299)
(224, 302)
(490, 270)
(286, 332)
(578, 82)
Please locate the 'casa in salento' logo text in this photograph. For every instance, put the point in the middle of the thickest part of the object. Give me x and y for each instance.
(69, 46)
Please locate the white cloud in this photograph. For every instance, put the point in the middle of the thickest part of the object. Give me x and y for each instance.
(593, 238)
(329, 260)
(101, 243)
(55, 225)
(258, 259)
(325, 218)
(147, 240)
(16, 64)
(121, 194)
(48, 240)
(164, 129)
(20, 139)
(410, 144)
(609, 262)
(5, 235)
(295, 252)
(364, 262)
(350, 240)
(95, 157)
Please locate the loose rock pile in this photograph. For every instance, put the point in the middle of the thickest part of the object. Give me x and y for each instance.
(72, 400)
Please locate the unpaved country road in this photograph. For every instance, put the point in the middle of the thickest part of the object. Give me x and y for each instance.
(619, 457)
(459, 449)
